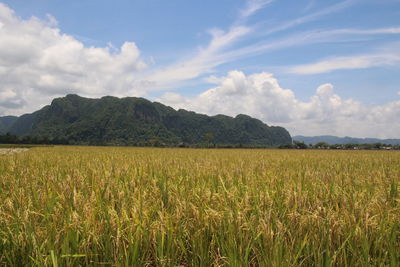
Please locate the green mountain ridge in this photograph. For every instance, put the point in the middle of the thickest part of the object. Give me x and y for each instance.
(137, 121)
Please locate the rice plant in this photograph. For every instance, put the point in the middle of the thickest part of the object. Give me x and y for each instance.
(79, 206)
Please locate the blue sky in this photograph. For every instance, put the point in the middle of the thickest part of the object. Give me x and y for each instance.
(314, 67)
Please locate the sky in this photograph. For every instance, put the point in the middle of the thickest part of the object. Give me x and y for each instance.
(327, 67)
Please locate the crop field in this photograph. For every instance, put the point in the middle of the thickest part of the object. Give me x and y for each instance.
(72, 206)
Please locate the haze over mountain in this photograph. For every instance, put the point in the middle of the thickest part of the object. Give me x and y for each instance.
(137, 121)
(343, 140)
(6, 122)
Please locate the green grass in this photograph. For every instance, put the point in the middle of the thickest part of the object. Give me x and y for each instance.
(69, 206)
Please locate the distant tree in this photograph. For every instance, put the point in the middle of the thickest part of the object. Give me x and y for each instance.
(335, 146)
(299, 145)
(350, 146)
(286, 146)
(377, 145)
(321, 145)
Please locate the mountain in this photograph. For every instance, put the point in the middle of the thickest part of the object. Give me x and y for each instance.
(6, 122)
(343, 140)
(137, 121)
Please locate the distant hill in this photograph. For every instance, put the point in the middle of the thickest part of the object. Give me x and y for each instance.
(343, 140)
(137, 121)
(6, 122)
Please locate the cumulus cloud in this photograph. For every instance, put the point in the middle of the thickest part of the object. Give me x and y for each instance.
(261, 96)
(38, 62)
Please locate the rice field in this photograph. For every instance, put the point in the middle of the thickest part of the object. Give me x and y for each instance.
(9, 151)
(109, 206)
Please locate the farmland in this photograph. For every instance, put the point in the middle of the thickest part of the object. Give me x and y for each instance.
(68, 206)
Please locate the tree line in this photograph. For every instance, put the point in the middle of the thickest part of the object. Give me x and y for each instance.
(207, 142)
(30, 140)
(44, 140)
(349, 146)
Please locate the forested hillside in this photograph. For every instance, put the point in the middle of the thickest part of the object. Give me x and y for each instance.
(137, 121)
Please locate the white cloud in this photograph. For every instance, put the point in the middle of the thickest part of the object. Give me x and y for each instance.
(204, 61)
(313, 16)
(38, 62)
(220, 49)
(217, 53)
(261, 96)
(253, 6)
(206, 58)
(349, 62)
(313, 37)
(389, 30)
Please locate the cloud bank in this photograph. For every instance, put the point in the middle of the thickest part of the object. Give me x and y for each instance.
(261, 96)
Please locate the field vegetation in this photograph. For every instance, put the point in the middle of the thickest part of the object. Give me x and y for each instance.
(71, 206)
